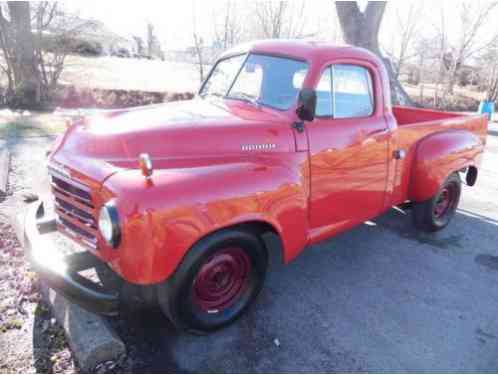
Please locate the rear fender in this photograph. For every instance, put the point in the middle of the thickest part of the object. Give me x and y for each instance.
(439, 155)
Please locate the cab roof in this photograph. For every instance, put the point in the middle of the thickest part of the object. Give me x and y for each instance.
(306, 50)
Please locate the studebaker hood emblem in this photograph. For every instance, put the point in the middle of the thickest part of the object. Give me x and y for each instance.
(261, 146)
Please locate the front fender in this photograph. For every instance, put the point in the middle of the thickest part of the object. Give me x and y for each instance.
(439, 155)
(164, 217)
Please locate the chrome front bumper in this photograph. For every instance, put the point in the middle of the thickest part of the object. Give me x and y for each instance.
(61, 272)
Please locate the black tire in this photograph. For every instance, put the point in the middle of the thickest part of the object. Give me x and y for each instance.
(179, 296)
(432, 215)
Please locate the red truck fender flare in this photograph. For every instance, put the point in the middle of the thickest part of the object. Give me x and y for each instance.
(177, 210)
(288, 230)
(439, 155)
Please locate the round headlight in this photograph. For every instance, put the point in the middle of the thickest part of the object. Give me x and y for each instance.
(109, 224)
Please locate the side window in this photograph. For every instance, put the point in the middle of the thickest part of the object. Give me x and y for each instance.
(352, 91)
(324, 95)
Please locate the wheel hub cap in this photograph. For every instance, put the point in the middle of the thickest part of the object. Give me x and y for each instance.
(221, 279)
(445, 201)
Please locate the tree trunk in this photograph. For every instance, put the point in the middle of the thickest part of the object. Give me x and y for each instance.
(361, 29)
(421, 76)
(198, 51)
(452, 77)
(25, 69)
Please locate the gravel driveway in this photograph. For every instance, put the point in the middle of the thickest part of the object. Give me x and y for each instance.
(30, 339)
(378, 298)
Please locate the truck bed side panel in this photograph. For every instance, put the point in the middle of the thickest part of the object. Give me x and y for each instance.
(437, 156)
(410, 136)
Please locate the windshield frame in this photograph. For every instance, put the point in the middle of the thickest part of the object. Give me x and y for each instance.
(247, 55)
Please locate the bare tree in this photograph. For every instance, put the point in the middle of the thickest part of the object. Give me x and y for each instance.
(295, 21)
(407, 27)
(362, 29)
(154, 50)
(229, 31)
(489, 73)
(473, 17)
(18, 49)
(270, 17)
(492, 84)
(199, 53)
(198, 49)
(422, 50)
(139, 46)
(35, 40)
(441, 45)
(55, 32)
(280, 19)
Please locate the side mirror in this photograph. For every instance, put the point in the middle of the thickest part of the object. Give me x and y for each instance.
(306, 104)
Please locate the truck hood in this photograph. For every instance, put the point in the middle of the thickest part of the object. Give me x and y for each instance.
(180, 134)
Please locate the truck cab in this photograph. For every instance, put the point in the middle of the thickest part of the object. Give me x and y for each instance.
(287, 143)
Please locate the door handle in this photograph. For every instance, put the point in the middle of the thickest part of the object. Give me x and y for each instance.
(399, 154)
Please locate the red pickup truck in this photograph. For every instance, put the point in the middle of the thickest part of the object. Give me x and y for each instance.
(287, 143)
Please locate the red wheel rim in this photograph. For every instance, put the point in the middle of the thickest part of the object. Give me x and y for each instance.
(445, 201)
(221, 279)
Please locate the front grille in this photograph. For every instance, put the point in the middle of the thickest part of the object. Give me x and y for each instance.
(75, 210)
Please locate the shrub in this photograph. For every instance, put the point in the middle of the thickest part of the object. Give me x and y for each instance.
(73, 97)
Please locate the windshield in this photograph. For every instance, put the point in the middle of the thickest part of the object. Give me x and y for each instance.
(262, 79)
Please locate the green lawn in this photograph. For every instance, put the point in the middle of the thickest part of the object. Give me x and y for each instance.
(34, 124)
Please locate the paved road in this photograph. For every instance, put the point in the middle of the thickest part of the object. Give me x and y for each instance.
(378, 298)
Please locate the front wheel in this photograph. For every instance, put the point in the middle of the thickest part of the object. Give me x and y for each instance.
(216, 282)
(435, 213)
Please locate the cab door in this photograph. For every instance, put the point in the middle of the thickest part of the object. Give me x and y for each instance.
(348, 143)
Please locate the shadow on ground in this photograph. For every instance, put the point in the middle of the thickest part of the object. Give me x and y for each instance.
(378, 298)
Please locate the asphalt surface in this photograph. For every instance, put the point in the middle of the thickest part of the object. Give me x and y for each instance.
(380, 297)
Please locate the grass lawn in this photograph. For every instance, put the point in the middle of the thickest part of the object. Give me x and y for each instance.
(130, 74)
(29, 124)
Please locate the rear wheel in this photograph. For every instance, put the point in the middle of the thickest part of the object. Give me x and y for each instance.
(435, 213)
(216, 282)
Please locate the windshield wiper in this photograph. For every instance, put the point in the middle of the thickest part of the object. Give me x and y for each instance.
(245, 97)
(214, 94)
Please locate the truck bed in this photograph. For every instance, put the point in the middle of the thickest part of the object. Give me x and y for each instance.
(415, 124)
(412, 116)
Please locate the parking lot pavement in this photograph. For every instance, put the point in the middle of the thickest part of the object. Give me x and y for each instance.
(378, 298)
